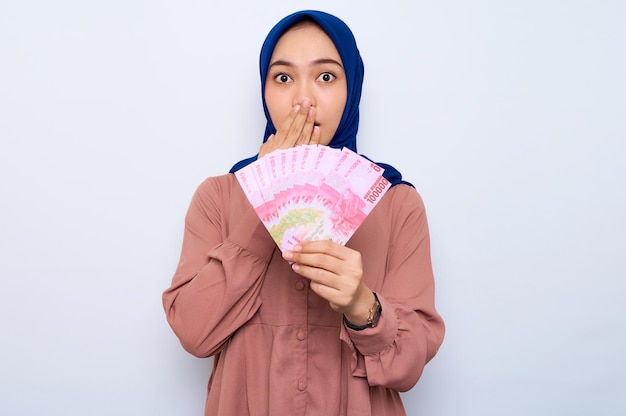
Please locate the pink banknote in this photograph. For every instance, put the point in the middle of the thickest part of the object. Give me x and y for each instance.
(312, 192)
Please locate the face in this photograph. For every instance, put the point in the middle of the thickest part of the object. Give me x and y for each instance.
(306, 64)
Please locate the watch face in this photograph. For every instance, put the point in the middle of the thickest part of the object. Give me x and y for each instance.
(372, 321)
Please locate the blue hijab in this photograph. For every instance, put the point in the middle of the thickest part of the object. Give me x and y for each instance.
(344, 41)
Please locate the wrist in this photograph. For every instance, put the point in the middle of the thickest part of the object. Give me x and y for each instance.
(368, 319)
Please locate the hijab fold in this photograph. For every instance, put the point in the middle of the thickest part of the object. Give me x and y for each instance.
(344, 41)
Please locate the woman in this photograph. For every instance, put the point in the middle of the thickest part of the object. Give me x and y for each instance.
(323, 329)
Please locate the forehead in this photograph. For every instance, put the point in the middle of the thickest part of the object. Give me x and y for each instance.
(305, 39)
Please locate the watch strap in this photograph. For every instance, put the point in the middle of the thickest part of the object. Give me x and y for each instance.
(372, 318)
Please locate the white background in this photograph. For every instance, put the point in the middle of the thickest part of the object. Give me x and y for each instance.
(507, 116)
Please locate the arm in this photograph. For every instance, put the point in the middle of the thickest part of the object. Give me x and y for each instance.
(226, 250)
(398, 268)
(223, 260)
(410, 331)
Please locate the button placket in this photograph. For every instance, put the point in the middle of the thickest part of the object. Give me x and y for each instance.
(300, 304)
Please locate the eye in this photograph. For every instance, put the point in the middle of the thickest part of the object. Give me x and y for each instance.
(282, 78)
(326, 77)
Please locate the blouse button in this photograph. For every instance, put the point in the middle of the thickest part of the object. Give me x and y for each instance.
(299, 285)
(301, 335)
(301, 385)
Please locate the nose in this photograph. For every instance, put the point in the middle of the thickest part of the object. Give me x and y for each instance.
(304, 90)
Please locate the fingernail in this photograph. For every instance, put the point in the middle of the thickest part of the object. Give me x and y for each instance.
(296, 108)
(306, 102)
(287, 255)
(311, 110)
(297, 247)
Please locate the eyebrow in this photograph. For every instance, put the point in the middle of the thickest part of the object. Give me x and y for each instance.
(320, 61)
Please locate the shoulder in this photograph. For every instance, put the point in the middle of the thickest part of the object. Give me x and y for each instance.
(403, 197)
(400, 206)
(214, 191)
(403, 205)
(217, 185)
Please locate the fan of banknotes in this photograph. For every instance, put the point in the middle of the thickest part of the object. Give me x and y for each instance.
(312, 192)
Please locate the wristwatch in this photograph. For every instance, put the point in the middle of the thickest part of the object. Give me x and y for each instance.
(372, 318)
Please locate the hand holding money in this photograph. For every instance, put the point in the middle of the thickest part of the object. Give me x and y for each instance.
(336, 274)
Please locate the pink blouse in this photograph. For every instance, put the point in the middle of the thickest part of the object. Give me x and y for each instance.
(278, 348)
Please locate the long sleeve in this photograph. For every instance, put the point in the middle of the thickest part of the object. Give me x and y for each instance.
(225, 253)
(410, 331)
(279, 348)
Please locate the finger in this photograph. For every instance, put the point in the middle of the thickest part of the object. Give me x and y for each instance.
(307, 129)
(326, 292)
(327, 255)
(295, 130)
(266, 147)
(277, 140)
(319, 261)
(283, 131)
(318, 275)
(323, 246)
(335, 289)
(315, 135)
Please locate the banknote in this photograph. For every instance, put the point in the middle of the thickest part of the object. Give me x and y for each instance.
(312, 192)
(343, 196)
(249, 186)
